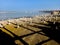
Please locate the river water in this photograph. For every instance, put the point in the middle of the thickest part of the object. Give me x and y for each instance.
(4, 16)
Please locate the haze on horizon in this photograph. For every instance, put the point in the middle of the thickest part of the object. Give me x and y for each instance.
(21, 5)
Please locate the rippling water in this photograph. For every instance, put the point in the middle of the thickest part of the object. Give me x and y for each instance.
(4, 16)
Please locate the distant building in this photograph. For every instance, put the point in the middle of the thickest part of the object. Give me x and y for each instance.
(55, 12)
(52, 12)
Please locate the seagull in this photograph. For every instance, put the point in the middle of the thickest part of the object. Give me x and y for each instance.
(9, 23)
(18, 26)
(1, 25)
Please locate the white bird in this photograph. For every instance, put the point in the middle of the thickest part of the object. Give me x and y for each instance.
(18, 26)
(1, 25)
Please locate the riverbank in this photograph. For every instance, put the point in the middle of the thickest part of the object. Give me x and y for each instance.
(27, 31)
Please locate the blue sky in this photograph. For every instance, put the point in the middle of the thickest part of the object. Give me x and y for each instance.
(20, 5)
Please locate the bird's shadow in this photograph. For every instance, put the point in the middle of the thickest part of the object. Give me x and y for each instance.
(53, 32)
(6, 39)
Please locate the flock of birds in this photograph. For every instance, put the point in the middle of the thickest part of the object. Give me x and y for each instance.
(29, 21)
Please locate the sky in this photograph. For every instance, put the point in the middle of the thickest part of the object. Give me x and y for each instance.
(20, 5)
